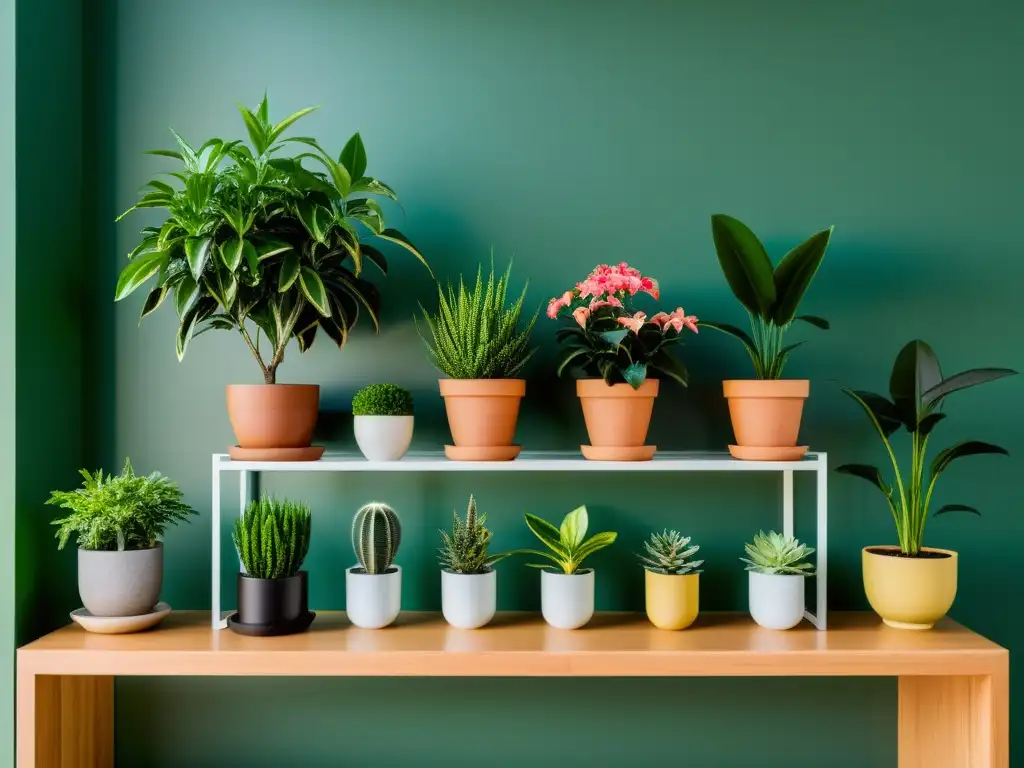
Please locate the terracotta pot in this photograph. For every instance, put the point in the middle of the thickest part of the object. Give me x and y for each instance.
(482, 414)
(766, 413)
(617, 416)
(909, 592)
(273, 415)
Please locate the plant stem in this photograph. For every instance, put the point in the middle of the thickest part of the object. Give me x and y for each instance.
(268, 375)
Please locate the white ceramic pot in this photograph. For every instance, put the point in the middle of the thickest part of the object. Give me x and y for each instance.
(468, 600)
(776, 600)
(383, 438)
(373, 600)
(567, 602)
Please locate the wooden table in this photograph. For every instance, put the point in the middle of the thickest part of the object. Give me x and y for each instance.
(953, 683)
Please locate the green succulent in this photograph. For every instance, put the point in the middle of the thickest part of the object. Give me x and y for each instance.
(669, 552)
(382, 400)
(272, 538)
(464, 550)
(376, 535)
(774, 553)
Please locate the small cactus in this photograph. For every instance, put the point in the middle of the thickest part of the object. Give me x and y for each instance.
(670, 552)
(376, 534)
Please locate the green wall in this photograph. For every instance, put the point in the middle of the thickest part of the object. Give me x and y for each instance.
(566, 134)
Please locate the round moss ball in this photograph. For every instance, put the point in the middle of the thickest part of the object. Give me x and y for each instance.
(382, 400)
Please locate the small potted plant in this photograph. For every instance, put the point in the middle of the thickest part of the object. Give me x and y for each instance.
(258, 244)
(912, 586)
(766, 411)
(566, 594)
(373, 589)
(777, 573)
(475, 340)
(618, 353)
(671, 579)
(119, 522)
(383, 421)
(469, 583)
(272, 540)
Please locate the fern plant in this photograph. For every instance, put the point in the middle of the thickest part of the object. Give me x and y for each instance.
(474, 335)
(464, 550)
(376, 535)
(119, 512)
(669, 552)
(272, 538)
(773, 553)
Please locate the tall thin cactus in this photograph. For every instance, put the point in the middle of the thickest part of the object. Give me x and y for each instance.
(376, 534)
(272, 538)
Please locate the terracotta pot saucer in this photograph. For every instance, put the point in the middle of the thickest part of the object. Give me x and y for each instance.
(309, 453)
(758, 453)
(482, 452)
(618, 453)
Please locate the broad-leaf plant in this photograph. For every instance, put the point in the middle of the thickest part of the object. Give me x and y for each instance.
(257, 242)
(918, 391)
(771, 295)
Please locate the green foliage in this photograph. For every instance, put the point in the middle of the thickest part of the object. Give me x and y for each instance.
(382, 400)
(474, 335)
(376, 535)
(670, 552)
(770, 295)
(918, 391)
(464, 550)
(774, 553)
(272, 538)
(117, 513)
(257, 243)
(566, 543)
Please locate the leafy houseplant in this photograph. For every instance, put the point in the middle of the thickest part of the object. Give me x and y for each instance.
(919, 589)
(272, 540)
(612, 347)
(374, 587)
(766, 412)
(672, 580)
(777, 570)
(257, 243)
(118, 522)
(469, 583)
(383, 421)
(567, 595)
(475, 339)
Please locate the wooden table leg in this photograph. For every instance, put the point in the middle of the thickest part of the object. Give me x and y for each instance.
(959, 722)
(65, 721)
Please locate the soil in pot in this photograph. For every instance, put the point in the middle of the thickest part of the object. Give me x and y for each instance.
(274, 417)
(766, 417)
(482, 416)
(120, 583)
(269, 607)
(910, 592)
(617, 418)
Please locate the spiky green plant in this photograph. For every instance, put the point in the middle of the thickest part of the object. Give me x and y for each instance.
(272, 537)
(376, 534)
(119, 512)
(474, 335)
(382, 400)
(464, 550)
(774, 553)
(669, 552)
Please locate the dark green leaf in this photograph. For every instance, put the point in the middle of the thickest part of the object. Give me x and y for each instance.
(881, 411)
(635, 374)
(915, 371)
(231, 252)
(962, 381)
(197, 251)
(282, 126)
(376, 257)
(817, 322)
(353, 157)
(154, 300)
(794, 274)
(267, 247)
(138, 271)
(256, 133)
(745, 264)
(613, 338)
(289, 271)
(669, 365)
(313, 288)
(966, 448)
(957, 508)
(397, 237)
(185, 295)
(928, 423)
(569, 357)
(869, 473)
(164, 153)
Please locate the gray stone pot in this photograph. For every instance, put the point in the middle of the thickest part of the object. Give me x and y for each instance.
(125, 583)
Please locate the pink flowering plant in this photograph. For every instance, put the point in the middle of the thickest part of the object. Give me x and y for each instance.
(607, 337)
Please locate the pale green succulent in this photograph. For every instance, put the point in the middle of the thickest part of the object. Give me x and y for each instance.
(669, 552)
(774, 553)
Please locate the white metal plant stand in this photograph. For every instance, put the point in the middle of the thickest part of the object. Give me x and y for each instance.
(435, 461)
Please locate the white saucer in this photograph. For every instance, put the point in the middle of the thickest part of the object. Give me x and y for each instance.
(120, 625)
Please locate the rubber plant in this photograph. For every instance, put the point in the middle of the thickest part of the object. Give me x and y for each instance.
(258, 243)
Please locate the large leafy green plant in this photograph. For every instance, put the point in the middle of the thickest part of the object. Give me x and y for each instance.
(918, 392)
(257, 243)
(771, 295)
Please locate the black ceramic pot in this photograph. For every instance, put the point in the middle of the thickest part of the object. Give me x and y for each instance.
(272, 602)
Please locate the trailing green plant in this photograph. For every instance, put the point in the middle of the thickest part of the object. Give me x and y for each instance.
(773, 553)
(255, 242)
(473, 334)
(119, 512)
(376, 535)
(272, 538)
(464, 550)
(770, 295)
(382, 400)
(918, 390)
(568, 544)
(669, 552)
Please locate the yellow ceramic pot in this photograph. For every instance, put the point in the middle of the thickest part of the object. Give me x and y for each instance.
(909, 592)
(673, 600)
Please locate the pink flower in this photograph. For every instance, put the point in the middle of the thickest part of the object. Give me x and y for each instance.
(660, 320)
(679, 319)
(633, 284)
(556, 304)
(650, 285)
(634, 323)
(627, 271)
(581, 315)
(611, 301)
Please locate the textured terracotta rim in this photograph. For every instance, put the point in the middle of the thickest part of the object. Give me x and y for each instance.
(894, 548)
(767, 388)
(598, 388)
(483, 387)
